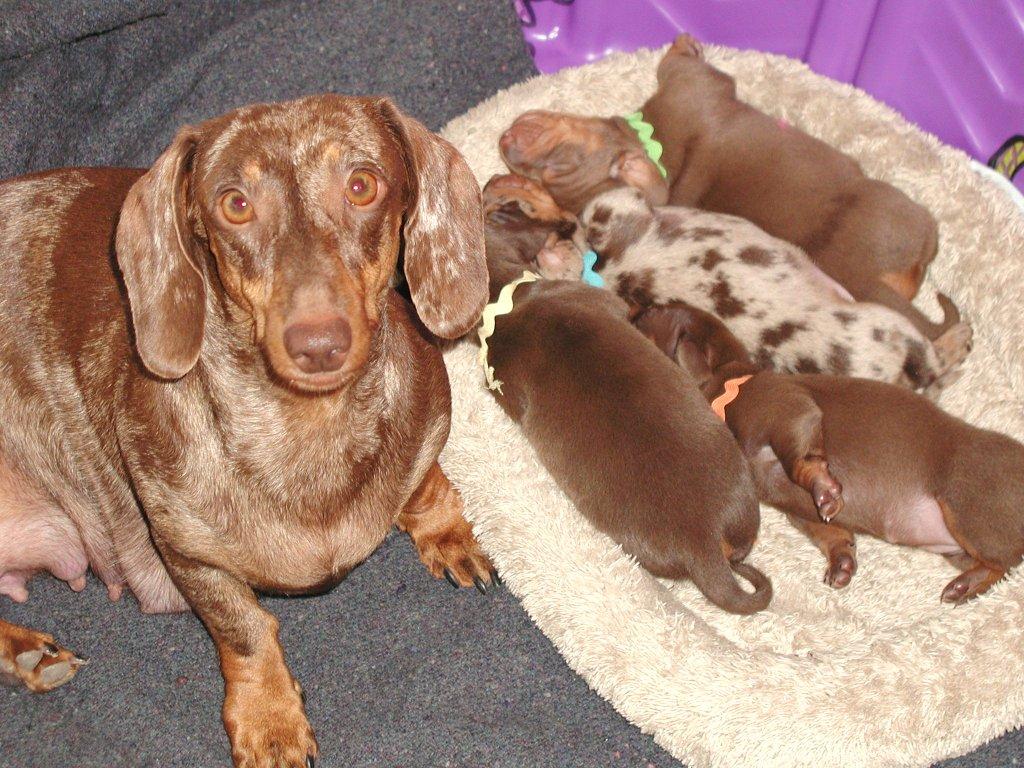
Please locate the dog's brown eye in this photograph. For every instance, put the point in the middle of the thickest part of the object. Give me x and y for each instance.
(236, 207)
(361, 188)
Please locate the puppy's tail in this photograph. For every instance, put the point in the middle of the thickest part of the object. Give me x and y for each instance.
(950, 315)
(932, 331)
(935, 364)
(715, 579)
(880, 293)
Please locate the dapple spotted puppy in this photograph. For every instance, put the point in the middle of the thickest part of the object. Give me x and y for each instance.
(786, 311)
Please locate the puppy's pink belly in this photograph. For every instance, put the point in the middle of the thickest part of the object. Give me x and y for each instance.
(914, 522)
(919, 523)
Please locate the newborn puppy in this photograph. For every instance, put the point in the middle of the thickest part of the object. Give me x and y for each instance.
(844, 456)
(627, 438)
(723, 155)
(791, 315)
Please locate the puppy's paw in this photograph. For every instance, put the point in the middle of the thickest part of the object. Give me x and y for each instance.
(687, 45)
(828, 495)
(970, 584)
(812, 474)
(34, 660)
(559, 259)
(842, 565)
(267, 725)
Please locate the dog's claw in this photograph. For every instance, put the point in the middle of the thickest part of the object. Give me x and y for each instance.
(954, 593)
(496, 579)
(450, 578)
(310, 762)
(480, 586)
(950, 596)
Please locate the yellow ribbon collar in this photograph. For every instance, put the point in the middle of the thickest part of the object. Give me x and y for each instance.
(502, 306)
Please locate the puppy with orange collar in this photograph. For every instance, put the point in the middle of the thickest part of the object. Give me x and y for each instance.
(844, 455)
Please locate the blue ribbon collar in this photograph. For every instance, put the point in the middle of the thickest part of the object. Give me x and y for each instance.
(590, 277)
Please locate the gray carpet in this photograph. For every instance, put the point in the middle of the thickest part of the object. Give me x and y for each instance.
(399, 669)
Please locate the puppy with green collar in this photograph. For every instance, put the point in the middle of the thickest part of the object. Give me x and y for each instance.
(695, 143)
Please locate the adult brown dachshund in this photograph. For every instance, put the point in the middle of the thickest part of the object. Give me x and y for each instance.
(273, 406)
(723, 155)
(843, 455)
(627, 438)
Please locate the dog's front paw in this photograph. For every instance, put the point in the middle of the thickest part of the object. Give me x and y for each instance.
(812, 474)
(455, 554)
(34, 660)
(267, 725)
(687, 45)
(433, 519)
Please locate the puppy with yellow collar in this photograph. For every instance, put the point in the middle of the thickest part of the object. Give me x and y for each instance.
(630, 440)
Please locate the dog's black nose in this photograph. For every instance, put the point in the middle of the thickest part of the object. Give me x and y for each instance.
(319, 346)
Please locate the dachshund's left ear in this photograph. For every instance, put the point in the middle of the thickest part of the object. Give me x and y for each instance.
(445, 263)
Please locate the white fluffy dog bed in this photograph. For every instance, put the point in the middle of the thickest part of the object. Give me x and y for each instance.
(877, 674)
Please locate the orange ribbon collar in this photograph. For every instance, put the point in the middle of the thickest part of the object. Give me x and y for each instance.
(732, 391)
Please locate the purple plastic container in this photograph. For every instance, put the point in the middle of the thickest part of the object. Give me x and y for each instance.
(954, 67)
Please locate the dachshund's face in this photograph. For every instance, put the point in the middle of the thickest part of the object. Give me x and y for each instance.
(301, 209)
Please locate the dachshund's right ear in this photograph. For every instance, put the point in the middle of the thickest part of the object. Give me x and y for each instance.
(156, 253)
(667, 328)
(503, 213)
(697, 340)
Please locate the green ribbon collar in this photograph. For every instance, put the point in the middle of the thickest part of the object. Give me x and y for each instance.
(645, 132)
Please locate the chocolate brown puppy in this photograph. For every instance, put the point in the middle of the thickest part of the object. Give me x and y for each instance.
(627, 437)
(211, 390)
(723, 155)
(844, 455)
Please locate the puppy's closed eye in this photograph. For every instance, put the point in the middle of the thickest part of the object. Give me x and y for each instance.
(509, 211)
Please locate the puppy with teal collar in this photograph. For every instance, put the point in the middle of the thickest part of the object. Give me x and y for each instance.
(787, 312)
